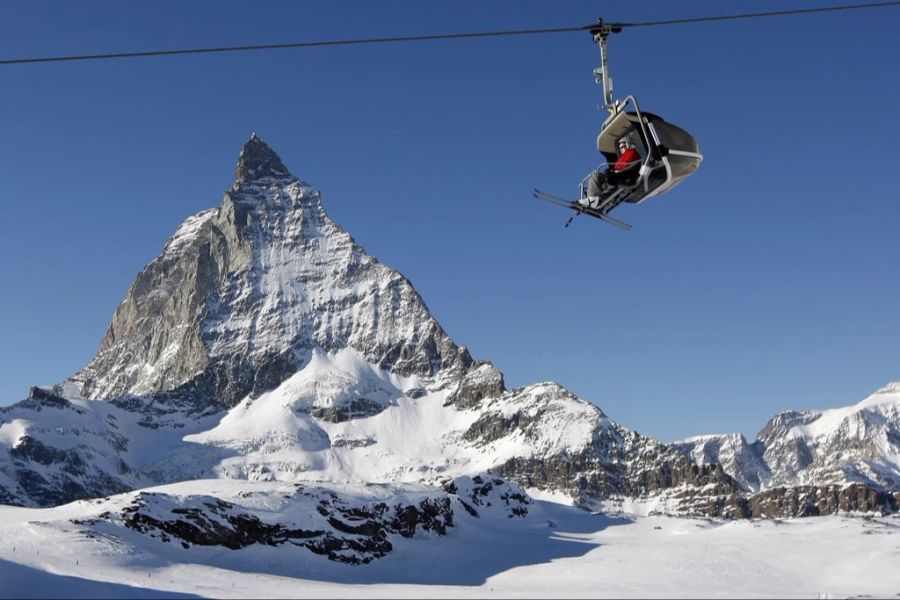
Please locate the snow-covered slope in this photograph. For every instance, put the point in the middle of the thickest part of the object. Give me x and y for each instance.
(338, 419)
(263, 344)
(130, 546)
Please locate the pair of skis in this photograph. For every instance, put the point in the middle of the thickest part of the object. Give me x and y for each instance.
(579, 209)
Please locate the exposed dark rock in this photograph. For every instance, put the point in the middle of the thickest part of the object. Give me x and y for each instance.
(481, 381)
(257, 160)
(432, 514)
(806, 501)
(492, 426)
(352, 534)
(9, 497)
(482, 492)
(30, 449)
(39, 399)
(63, 488)
(201, 527)
(678, 471)
(47, 398)
(352, 443)
(591, 475)
(355, 409)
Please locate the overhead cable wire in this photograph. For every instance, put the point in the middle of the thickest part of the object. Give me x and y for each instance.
(757, 15)
(446, 36)
(354, 42)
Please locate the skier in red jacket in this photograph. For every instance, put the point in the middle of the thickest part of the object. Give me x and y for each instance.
(629, 157)
(627, 164)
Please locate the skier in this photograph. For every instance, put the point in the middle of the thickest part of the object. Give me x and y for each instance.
(621, 172)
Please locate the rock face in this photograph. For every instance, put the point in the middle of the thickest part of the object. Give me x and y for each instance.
(264, 344)
(243, 293)
(740, 459)
(807, 501)
(344, 531)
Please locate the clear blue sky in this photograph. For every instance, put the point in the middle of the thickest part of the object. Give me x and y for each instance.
(767, 281)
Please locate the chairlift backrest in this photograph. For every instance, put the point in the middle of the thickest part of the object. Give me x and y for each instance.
(614, 129)
(625, 124)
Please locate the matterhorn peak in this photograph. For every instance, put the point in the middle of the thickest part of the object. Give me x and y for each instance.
(258, 160)
(243, 295)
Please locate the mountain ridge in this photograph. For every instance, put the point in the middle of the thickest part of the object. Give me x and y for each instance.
(858, 444)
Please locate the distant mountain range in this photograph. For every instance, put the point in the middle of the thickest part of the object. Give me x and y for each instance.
(264, 344)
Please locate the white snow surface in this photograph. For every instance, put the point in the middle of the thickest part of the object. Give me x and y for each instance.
(555, 552)
(412, 440)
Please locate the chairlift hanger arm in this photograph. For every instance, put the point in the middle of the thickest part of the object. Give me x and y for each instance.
(601, 31)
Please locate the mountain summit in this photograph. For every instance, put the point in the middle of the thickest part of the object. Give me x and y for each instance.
(257, 160)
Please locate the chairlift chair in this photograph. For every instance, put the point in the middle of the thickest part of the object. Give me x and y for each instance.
(668, 153)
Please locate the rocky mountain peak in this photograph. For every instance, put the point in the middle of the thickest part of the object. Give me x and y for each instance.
(257, 160)
(243, 295)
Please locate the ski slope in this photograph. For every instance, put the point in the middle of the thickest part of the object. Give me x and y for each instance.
(555, 552)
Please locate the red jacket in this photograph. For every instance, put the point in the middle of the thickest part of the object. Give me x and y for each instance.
(630, 158)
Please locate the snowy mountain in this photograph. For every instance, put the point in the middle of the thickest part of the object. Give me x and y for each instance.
(858, 445)
(265, 345)
(243, 294)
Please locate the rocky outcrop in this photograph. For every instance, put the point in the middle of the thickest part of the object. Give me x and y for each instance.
(341, 528)
(808, 501)
(481, 381)
(344, 532)
(35, 487)
(481, 493)
(354, 409)
(40, 398)
(593, 476)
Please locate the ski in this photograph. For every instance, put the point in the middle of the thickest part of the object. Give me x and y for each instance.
(579, 209)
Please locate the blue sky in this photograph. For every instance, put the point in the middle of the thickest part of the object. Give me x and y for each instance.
(767, 281)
